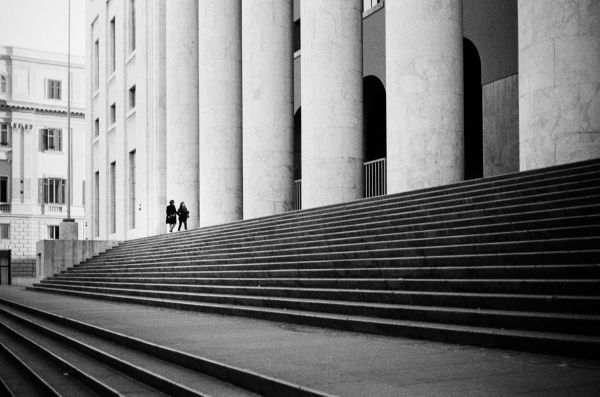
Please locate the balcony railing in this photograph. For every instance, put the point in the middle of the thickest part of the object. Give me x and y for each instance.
(52, 209)
(297, 194)
(4, 208)
(375, 178)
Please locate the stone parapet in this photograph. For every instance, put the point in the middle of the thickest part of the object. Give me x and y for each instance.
(55, 256)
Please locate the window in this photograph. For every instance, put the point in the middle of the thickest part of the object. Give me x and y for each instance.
(51, 139)
(4, 231)
(3, 84)
(296, 35)
(113, 113)
(112, 50)
(4, 134)
(3, 189)
(370, 4)
(132, 189)
(132, 97)
(97, 203)
(97, 127)
(53, 232)
(131, 25)
(54, 89)
(113, 197)
(54, 190)
(96, 70)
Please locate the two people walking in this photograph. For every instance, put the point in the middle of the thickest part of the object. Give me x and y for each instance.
(173, 212)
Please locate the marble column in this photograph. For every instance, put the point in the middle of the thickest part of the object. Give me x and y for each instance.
(268, 120)
(220, 110)
(559, 82)
(424, 73)
(182, 104)
(332, 96)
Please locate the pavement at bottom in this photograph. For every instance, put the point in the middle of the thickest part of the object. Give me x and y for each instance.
(336, 362)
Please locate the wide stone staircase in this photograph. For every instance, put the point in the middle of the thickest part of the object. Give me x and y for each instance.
(510, 261)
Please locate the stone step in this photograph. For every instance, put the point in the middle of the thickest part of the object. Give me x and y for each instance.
(385, 304)
(552, 193)
(493, 259)
(571, 171)
(495, 285)
(346, 252)
(373, 233)
(360, 243)
(537, 341)
(157, 365)
(179, 274)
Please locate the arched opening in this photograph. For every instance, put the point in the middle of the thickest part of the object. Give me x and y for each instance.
(473, 137)
(298, 159)
(374, 112)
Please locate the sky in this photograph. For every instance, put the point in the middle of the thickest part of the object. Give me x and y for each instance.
(42, 24)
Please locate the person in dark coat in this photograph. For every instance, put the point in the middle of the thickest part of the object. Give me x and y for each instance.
(171, 215)
(184, 214)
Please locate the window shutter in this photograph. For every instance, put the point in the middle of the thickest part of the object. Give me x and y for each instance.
(40, 191)
(60, 140)
(42, 140)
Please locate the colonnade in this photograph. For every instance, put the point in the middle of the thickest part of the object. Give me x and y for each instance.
(230, 99)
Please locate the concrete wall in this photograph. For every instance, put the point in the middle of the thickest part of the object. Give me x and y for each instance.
(501, 126)
(55, 256)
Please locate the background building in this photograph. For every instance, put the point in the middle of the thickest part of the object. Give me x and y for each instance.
(200, 102)
(33, 151)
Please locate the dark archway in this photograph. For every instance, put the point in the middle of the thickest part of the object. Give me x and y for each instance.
(374, 112)
(473, 138)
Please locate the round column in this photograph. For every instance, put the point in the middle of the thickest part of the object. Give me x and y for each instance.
(425, 114)
(559, 82)
(182, 104)
(268, 116)
(220, 110)
(332, 95)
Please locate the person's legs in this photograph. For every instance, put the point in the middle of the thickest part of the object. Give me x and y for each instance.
(171, 226)
(185, 224)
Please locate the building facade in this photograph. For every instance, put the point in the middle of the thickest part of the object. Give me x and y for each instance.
(251, 108)
(33, 151)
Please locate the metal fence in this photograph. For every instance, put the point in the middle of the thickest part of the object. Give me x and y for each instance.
(375, 178)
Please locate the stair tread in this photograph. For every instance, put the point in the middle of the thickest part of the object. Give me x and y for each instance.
(384, 305)
(421, 324)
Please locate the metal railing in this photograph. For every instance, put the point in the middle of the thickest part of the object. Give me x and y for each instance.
(297, 194)
(375, 178)
(4, 208)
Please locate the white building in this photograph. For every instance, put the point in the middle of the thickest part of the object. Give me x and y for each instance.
(252, 108)
(33, 152)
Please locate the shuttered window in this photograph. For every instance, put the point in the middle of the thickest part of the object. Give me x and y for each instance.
(51, 139)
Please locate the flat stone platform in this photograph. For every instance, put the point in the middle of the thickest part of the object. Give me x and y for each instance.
(336, 362)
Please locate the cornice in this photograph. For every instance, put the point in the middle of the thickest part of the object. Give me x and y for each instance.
(5, 106)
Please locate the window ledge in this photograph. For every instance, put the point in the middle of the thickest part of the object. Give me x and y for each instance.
(111, 77)
(112, 128)
(96, 93)
(297, 54)
(53, 151)
(130, 113)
